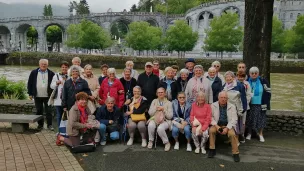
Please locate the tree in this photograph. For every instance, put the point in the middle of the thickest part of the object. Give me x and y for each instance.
(119, 29)
(74, 33)
(54, 35)
(155, 37)
(277, 42)
(32, 36)
(45, 10)
(225, 34)
(134, 8)
(82, 8)
(257, 36)
(180, 37)
(48, 10)
(299, 31)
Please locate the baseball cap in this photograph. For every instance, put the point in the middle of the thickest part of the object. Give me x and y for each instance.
(149, 64)
(190, 60)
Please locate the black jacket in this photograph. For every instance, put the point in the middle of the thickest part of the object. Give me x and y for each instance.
(70, 90)
(179, 83)
(174, 87)
(128, 87)
(32, 82)
(216, 87)
(148, 85)
(101, 78)
(103, 116)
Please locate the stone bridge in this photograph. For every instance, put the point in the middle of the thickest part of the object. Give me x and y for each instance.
(13, 30)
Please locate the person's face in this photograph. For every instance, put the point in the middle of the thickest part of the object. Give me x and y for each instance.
(223, 99)
(82, 102)
(104, 71)
(217, 67)
(200, 100)
(64, 69)
(75, 74)
(43, 66)
(254, 75)
(242, 67)
(190, 66)
(170, 74)
(110, 105)
(181, 98)
(212, 73)
(112, 76)
(198, 72)
(174, 72)
(76, 62)
(184, 76)
(129, 66)
(88, 71)
(156, 66)
(148, 68)
(241, 79)
(127, 73)
(161, 93)
(229, 79)
(136, 93)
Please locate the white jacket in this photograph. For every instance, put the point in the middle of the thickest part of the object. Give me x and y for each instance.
(202, 85)
(232, 116)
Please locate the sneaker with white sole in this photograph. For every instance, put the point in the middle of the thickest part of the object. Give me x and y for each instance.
(203, 150)
(197, 150)
(150, 144)
(167, 146)
(262, 138)
(130, 142)
(176, 146)
(248, 137)
(189, 148)
(103, 143)
(144, 143)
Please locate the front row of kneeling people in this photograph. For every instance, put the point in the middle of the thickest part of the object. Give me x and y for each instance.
(198, 120)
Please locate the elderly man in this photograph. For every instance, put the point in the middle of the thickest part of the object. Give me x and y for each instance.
(224, 120)
(189, 64)
(110, 118)
(39, 89)
(148, 82)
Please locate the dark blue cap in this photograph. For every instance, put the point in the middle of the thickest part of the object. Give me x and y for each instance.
(190, 60)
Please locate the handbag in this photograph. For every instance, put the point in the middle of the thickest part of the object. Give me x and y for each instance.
(63, 124)
(159, 117)
(138, 117)
(112, 128)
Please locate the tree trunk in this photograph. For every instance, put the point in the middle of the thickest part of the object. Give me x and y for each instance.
(257, 35)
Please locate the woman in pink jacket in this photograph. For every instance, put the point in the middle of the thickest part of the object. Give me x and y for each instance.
(200, 118)
(112, 87)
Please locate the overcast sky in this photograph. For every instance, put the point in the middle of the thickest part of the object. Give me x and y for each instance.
(95, 5)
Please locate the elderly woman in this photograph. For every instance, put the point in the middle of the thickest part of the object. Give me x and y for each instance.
(73, 86)
(215, 83)
(161, 114)
(196, 84)
(157, 71)
(260, 103)
(134, 73)
(104, 69)
(236, 96)
(175, 70)
(217, 66)
(128, 83)
(93, 85)
(76, 61)
(112, 87)
(110, 118)
(77, 121)
(200, 118)
(169, 84)
(136, 109)
(181, 120)
(182, 80)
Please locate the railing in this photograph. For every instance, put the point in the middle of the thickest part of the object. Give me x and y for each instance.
(207, 4)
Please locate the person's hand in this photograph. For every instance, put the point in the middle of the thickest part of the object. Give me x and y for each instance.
(92, 98)
(65, 109)
(225, 131)
(89, 126)
(160, 108)
(31, 97)
(121, 91)
(129, 113)
(201, 132)
(58, 82)
(128, 102)
(111, 121)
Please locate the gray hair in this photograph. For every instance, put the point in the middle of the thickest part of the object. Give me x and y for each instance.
(76, 59)
(75, 68)
(211, 68)
(182, 92)
(229, 73)
(110, 99)
(111, 71)
(184, 71)
(223, 93)
(127, 69)
(87, 66)
(44, 60)
(129, 63)
(216, 63)
(198, 67)
(138, 88)
(200, 94)
(254, 69)
(168, 69)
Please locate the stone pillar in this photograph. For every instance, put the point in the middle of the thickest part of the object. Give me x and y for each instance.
(12, 39)
(206, 20)
(41, 39)
(64, 39)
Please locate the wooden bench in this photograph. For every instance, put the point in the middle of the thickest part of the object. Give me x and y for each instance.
(20, 122)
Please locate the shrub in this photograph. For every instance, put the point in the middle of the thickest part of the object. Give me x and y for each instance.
(12, 90)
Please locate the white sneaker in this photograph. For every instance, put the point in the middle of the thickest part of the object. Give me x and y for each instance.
(248, 137)
(197, 150)
(203, 150)
(189, 148)
(130, 142)
(103, 143)
(144, 143)
(262, 138)
(150, 144)
(176, 146)
(167, 146)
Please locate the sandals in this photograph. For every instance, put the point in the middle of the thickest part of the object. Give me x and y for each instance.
(58, 142)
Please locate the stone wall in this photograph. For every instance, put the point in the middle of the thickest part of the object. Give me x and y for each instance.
(17, 107)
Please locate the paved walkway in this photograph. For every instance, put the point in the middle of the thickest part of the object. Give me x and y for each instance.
(33, 151)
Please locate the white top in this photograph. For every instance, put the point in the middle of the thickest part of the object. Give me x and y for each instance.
(42, 84)
(57, 100)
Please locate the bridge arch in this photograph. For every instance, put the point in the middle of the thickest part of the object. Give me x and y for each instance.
(22, 34)
(119, 28)
(232, 9)
(54, 36)
(152, 22)
(5, 37)
(203, 20)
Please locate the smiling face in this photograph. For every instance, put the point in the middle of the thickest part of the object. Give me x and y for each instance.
(76, 62)
(190, 66)
(64, 69)
(156, 66)
(82, 102)
(229, 79)
(110, 105)
(200, 99)
(254, 75)
(127, 73)
(43, 65)
(198, 72)
(181, 98)
(184, 76)
(136, 92)
(161, 93)
(212, 73)
(75, 74)
(241, 67)
(104, 71)
(170, 74)
(112, 76)
(88, 71)
(148, 69)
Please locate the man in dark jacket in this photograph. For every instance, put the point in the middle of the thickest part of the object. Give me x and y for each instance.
(39, 89)
(148, 83)
(110, 118)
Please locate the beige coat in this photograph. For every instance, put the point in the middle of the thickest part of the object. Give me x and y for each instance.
(93, 84)
(232, 116)
(202, 85)
(168, 110)
(74, 124)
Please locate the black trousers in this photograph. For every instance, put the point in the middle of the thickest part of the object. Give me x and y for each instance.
(41, 102)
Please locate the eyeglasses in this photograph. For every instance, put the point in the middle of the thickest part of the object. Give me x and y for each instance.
(181, 97)
(241, 67)
(254, 73)
(216, 66)
(160, 92)
(148, 66)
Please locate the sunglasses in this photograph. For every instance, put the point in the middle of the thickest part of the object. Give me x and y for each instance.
(254, 73)
(241, 67)
(181, 97)
(216, 66)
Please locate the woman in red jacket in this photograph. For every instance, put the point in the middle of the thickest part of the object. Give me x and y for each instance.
(200, 118)
(112, 87)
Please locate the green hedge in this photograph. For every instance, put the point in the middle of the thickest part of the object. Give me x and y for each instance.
(32, 58)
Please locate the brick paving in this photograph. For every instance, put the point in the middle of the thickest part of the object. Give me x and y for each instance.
(33, 151)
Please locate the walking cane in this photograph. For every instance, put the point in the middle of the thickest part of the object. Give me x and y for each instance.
(155, 141)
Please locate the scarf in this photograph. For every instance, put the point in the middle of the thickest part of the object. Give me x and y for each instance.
(183, 84)
(255, 85)
(156, 72)
(83, 116)
(135, 101)
(211, 79)
(168, 89)
(229, 86)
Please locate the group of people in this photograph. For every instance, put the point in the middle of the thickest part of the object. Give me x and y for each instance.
(190, 102)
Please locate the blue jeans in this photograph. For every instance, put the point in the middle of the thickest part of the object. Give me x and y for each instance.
(59, 111)
(102, 131)
(175, 131)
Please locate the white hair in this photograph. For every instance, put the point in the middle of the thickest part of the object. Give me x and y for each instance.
(184, 71)
(87, 66)
(216, 63)
(110, 99)
(254, 70)
(111, 71)
(198, 66)
(168, 69)
(201, 94)
(211, 68)
(229, 73)
(75, 68)
(129, 63)
(138, 88)
(76, 59)
(44, 60)
(223, 93)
